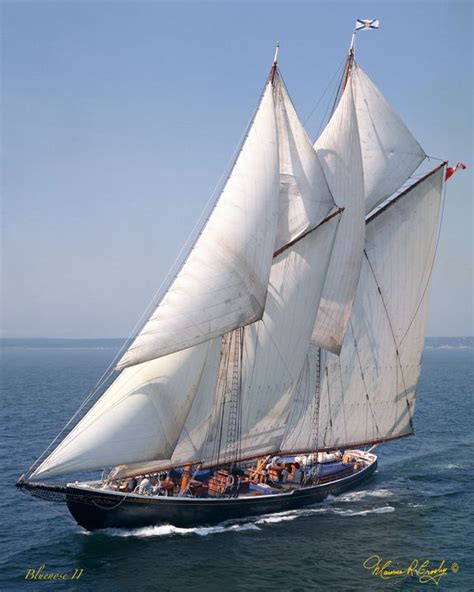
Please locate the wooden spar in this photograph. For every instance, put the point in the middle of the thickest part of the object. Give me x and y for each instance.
(382, 208)
(301, 236)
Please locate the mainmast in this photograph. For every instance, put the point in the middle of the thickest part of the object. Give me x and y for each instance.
(359, 25)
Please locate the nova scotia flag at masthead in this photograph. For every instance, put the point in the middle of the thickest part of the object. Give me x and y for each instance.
(366, 24)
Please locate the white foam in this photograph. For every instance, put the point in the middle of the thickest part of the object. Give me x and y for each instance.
(276, 518)
(246, 524)
(382, 510)
(357, 496)
(168, 529)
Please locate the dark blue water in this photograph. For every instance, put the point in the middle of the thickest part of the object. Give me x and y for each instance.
(418, 506)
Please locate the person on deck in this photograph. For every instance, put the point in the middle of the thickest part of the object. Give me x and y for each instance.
(145, 486)
(158, 488)
(297, 474)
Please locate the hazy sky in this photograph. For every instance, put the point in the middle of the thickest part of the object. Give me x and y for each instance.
(120, 117)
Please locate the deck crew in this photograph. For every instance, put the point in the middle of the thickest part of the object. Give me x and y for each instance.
(284, 474)
(297, 474)
(144, 486)
(132, 483)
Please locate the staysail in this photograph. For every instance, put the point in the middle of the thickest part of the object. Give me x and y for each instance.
(305, 198)
(368, 393)
(390, 153)
(223, 283)
(338, 150)
(141, 414)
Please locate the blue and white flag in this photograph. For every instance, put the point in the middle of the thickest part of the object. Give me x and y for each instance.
(366, 24)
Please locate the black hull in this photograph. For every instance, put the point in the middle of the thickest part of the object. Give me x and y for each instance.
(95, 509)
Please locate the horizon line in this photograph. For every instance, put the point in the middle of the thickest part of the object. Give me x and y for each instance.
(126, 338)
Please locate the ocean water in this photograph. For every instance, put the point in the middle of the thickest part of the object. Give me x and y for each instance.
(418, 506)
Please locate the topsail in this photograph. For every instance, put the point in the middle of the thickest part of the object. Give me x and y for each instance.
(390, 153)
(338, 150)
(305, 198)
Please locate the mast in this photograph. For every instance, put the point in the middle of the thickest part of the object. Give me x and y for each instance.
(359, 25)
(349, 62)
(274, 68)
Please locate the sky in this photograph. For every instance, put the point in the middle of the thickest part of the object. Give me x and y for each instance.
(119, 119)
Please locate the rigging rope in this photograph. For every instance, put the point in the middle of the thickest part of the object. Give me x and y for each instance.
(308, 117)
(343, 402)
(363, 379)
(379, 289)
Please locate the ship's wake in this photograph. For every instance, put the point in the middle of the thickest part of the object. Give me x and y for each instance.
(332, 506)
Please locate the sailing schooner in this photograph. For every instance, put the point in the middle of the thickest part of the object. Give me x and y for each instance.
(289, 341)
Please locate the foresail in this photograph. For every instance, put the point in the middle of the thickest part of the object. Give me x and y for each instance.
(223, 283)
(305, 198)
(390, 153)
(368, 393)
(140, 416)
(302, 428)
(338, 150)
(274, 350)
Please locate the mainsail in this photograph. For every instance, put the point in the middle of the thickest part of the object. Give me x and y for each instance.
(367, 394)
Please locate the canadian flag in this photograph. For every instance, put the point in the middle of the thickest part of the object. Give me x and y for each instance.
(451, 170)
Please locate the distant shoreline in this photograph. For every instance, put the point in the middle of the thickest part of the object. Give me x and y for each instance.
(117, 343)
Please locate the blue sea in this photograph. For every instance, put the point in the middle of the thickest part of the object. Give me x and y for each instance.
(417, 508)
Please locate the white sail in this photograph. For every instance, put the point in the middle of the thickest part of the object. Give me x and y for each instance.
(223, 283)
(274, 350)
(368, 393)
(305, 198)
(338, 149)
(390, 153)
(301, 431)
(140, 416)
